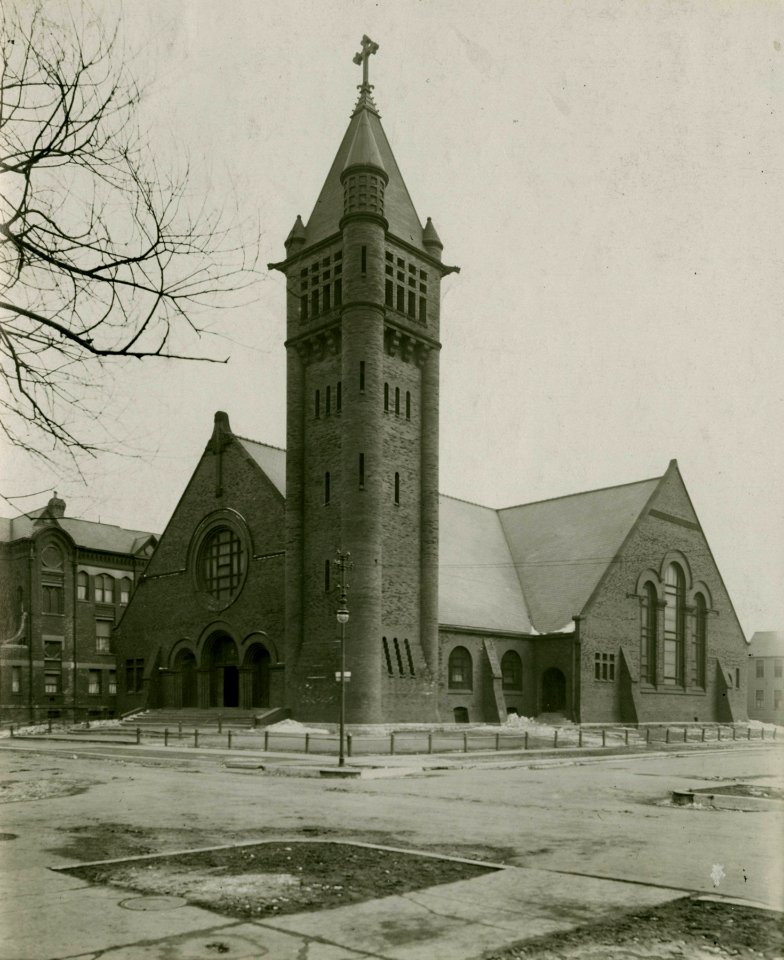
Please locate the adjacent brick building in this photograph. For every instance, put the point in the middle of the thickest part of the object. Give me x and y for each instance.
(766, 677)
(64, 585)
(604, 606)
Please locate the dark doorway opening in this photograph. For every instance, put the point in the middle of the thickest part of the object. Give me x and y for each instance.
(553, 691)
(231, 687)
(221, 656)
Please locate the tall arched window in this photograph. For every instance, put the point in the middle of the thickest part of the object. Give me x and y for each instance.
(700, 638)
(104, 588)
(648, 629)
(512, 670)
(82, 585)
(674, 624)
(460, 670)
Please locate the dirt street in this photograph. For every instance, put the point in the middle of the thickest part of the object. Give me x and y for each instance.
(610, 819)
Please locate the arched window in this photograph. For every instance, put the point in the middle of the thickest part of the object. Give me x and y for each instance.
(700, 638)
(649, 621)
(460, 670)
(512, 670)
(104, 588)
(82, 585)
(674, 623)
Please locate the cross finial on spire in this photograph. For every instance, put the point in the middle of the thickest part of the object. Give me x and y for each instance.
(368, 48)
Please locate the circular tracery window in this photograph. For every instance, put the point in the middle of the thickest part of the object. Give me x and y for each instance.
(222, 563)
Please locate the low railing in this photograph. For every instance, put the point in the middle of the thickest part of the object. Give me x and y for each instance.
(396, 743)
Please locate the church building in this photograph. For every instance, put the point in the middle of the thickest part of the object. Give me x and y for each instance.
(603, 606)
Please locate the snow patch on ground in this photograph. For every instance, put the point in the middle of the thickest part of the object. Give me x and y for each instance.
(294, 726)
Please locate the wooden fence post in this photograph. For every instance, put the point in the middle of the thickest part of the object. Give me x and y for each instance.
(604, 737)
(555, 740)
(580, 737)
(138, 735)
(392, 744)
(229, 737)
(667, 735)
(166, 736)
(465, 743)
(525, 747)
(266, 740)
(349, 739)
(430, 743)
(195, 736)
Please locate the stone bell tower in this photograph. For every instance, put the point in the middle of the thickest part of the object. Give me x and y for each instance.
(363, 302)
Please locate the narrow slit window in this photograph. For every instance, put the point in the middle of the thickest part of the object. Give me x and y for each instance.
(328, 401)
(399, 658)
(326, 576)
(314, 303)
(317, 404)
(423, 309)
(326, 488)
(363, 260)
(339, 397)
(361, 376)
(326, 298)
(411, 303)
(409, 658)
(338, 292)
(401, 299)
(303, 307)
(361, 471)
(389, 293)
(387, 657)
(408, 404)
(386, 398)
(397, 401)
(397, 488)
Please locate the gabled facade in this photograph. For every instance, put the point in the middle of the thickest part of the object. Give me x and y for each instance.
(206, 625)
(64, 585)
(621, 614)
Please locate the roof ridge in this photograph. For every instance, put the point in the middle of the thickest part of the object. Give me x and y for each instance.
(582, 493)
(261, 443)
(473, 503)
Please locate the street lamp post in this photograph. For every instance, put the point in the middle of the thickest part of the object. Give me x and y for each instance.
(342, 616)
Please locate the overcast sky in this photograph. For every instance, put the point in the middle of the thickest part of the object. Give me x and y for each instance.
(608, 176)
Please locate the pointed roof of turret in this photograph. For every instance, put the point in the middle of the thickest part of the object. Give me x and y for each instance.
(364, 150)
(366, 142)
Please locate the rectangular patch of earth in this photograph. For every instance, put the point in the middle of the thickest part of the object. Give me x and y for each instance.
(278, 878)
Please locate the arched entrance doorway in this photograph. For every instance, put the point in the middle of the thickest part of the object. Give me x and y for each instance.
(185, 671)
(553, 691)
(220, 658)
(257, 663)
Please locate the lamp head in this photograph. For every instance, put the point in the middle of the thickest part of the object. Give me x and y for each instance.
(342, 611)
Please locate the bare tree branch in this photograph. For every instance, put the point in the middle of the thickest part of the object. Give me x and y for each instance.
(101, 255)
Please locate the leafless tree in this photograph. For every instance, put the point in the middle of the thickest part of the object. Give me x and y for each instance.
(101, 254)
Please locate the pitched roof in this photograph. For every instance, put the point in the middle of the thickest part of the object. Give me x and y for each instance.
(477, 583)
(561, 547)
(272, 461)
(767, 643)
(398, 207)
(105, 537)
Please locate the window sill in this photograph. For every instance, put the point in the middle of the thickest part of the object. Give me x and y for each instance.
(460, 691)
(675, 691)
